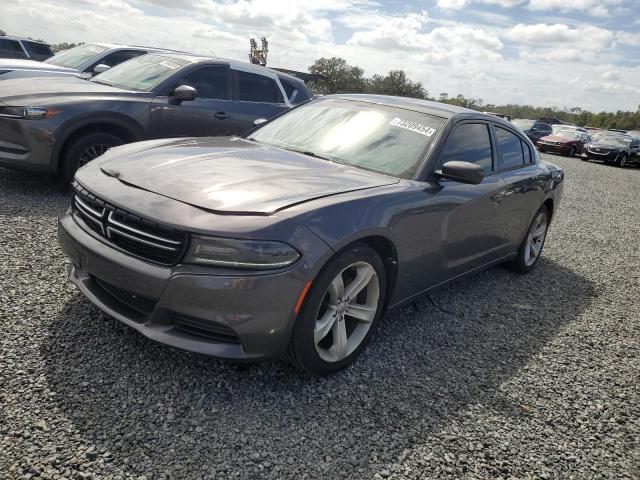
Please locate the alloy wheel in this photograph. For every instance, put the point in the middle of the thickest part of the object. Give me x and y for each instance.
(347, 311)
(535, 239)
(91, 153)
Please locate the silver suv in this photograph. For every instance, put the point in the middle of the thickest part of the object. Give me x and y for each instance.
(24, 48)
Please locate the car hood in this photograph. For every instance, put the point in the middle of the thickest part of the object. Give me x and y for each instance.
(19, 90)
(19, 64)
(608, 146)
(229, 174)
(557, 138)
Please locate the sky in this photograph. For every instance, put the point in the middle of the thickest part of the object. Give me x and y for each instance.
(561, 53)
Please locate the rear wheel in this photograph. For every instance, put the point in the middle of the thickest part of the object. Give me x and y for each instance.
(531, 246)
(85, 149)
(340, 313)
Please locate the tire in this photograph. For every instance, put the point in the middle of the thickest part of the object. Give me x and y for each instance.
(622, 160)
(325, 312)
(572, 152)
(85, 149)
(523, 263)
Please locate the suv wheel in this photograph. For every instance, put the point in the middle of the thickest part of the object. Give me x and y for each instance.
(340, 313)
(85, 149)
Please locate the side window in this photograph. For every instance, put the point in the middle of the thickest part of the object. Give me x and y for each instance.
(296, 93)
(469, 142)
(38, 49)
(210, 82)
(509, 149)
(12, 49)
(528, 156)
(117, 58)
(256, 88)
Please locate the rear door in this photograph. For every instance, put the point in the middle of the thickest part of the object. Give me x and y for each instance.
(256, 96)
(472, 228)
(525, 184)
(210, 114)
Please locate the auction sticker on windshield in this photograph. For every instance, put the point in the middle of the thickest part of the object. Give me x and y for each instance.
(169, 64)
(413, 126)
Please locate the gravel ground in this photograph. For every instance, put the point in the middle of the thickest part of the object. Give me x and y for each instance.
(542, 382)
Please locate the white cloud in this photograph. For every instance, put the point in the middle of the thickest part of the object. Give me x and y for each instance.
(596, 8)
(458, 4)
(476, 60)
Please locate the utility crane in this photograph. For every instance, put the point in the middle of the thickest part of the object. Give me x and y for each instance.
(258, 57)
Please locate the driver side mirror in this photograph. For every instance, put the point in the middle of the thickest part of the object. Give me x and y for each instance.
(184, 93)
(101, 67)
(463, 172)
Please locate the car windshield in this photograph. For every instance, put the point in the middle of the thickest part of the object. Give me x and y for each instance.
(382, 139)
(77, 56)
(142, 73)
(617, 140)
(568, 134)
(523, 124)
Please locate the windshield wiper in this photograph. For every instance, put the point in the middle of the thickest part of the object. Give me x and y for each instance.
(101, 82)
(309, 154)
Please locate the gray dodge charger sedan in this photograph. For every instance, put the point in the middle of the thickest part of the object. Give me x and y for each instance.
(296, 238)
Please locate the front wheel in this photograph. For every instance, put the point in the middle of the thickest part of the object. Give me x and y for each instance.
(622, 160)
(340, 313)
(531, 247)
(85, 149)
(572, 152)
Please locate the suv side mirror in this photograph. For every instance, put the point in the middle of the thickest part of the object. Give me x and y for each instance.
(463, 172)
(184, 93)
(101, 67)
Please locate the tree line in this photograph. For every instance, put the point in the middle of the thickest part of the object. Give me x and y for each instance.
(337, 76)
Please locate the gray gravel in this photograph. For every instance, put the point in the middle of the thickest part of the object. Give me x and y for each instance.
(542, 382)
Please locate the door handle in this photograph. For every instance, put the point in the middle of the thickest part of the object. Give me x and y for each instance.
(221, 115)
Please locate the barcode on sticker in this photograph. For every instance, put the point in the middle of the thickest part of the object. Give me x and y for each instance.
(413, 126)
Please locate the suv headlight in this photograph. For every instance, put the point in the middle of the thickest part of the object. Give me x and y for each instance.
(29, 113)
(235, 253)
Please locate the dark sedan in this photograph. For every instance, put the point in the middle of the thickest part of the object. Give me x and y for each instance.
(296, 238)
(564, 142)
(617, 149)
(56, 125)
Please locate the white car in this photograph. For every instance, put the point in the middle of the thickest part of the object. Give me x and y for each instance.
(561, 126)
(83, 61)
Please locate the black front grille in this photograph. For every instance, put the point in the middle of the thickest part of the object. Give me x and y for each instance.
(206, 329)
(139, 303)
(130, 233)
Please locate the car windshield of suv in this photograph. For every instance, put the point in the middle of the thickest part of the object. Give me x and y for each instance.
(379, 138)
(523, 124)
(616, 140)
(142, 73)
(76, 57)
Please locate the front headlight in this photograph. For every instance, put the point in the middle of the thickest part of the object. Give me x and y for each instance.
(234, 253)
(29, 113)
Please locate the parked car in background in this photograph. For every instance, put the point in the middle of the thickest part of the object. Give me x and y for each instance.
(296, 238)
(551, 120)
(619, 150)
(634, 133)
(564, 142)
(84, 61)
(504, 116)
(533, 128)
(23, 48)
(604, 133)
(558, 127)
(55, 125)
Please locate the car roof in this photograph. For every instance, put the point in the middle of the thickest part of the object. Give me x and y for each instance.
(430, 107)
(11, 37)
(133, 47)
(194, 58)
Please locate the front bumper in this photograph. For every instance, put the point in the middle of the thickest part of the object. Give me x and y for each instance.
(605, 157)
(26, 144)
(553, 148)
(186, 306)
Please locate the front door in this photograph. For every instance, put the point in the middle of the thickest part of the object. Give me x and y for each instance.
(210, 114)
(472, 225)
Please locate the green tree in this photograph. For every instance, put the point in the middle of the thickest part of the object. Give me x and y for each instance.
(64, 46)
(395, 83)
(337, 76)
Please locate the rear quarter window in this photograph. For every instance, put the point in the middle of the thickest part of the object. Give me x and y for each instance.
(296, 91)
(39, 49)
